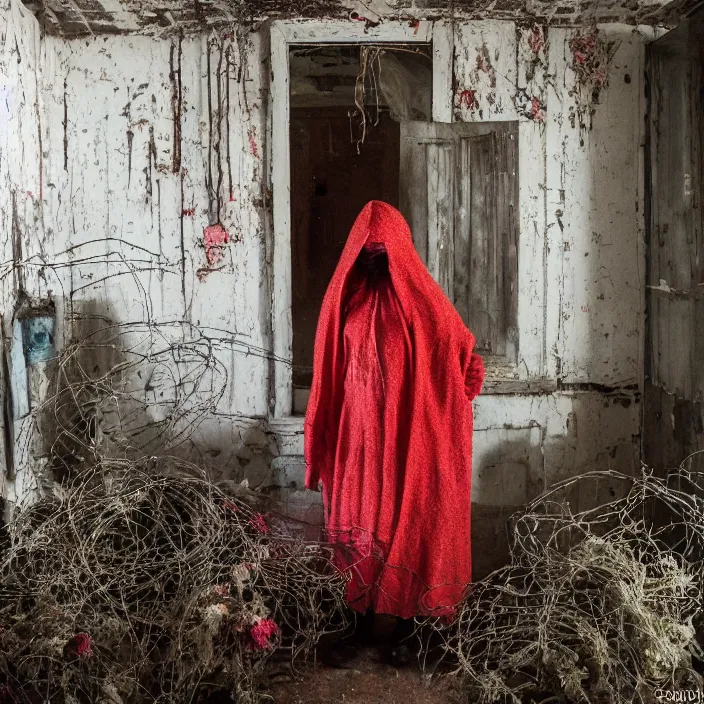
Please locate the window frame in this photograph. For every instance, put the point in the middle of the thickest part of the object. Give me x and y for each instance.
(284, 34)
(462, 187)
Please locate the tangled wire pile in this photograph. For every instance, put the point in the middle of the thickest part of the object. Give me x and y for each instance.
(134, 578)
(597, 606)
(138, 582)
(129, 390)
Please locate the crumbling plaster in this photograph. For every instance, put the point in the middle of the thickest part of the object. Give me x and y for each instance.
(94, 17)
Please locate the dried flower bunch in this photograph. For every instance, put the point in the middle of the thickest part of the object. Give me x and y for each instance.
(134, 577)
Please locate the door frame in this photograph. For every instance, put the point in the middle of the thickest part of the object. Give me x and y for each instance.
(285, 33)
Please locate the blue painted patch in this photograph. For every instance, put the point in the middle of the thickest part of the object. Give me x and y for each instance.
(38, 339)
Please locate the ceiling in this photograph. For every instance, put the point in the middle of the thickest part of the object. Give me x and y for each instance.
(75, 18)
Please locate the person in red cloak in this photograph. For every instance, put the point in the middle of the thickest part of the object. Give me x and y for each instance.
(388, 428)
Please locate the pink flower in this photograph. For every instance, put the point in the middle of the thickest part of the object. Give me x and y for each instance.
(261, 634)
(82, 645)
(259, 524)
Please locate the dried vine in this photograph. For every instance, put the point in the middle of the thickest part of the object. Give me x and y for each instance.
(598, 606)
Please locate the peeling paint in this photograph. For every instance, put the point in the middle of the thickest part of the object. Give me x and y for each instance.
(591, 56)
(87, 17)
(253, 148)
(215, 238)
(176, 102)
(468, 99)
(165, 250)
(536, 39)
(537, 110)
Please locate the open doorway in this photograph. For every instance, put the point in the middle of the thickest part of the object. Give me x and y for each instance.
(347, 105)
(359, 126)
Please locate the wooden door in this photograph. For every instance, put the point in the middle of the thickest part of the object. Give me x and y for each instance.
(674, 354)
(459, 193)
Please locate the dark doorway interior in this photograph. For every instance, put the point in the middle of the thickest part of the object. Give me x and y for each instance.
(331, 183)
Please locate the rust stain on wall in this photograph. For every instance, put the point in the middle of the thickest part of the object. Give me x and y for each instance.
(176, 101)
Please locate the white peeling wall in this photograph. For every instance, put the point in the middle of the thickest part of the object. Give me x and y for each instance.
(121, 214)
(150, 142)
(595, 212)
(21, 107)
(21, 178)
(146, 143)
(581, 241)
(160, 140)
(581, 257)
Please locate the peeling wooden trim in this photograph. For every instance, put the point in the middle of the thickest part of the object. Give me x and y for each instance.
(282, 326)
(443, 56)
(525, 387)
(346, 32)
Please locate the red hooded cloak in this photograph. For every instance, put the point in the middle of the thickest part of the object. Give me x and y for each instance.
(388, 429)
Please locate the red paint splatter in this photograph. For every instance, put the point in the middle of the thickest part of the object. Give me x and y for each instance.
(261, 634)
(215, 238)
(414, 25)
(468, 99)
(30, 194)
(232, 198)
(536, 40)
(589, 60)
(537, 110)
(582, 47)
(253, 148)
(356, 16)
(189, 212)
(230, 506)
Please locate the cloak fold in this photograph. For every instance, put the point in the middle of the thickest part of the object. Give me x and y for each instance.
(388, 429)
